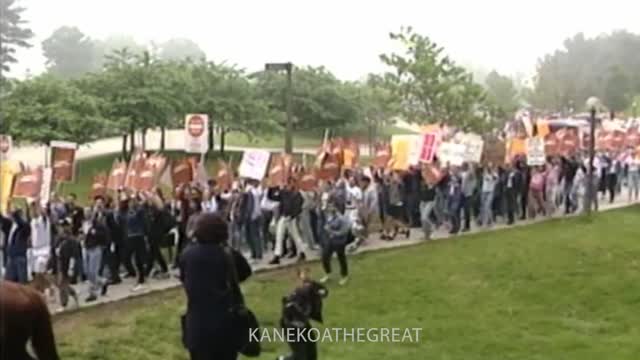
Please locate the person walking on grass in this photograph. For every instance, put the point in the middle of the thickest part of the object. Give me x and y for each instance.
(336, 231)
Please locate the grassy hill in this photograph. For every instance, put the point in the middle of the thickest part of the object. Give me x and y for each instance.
(564, 289)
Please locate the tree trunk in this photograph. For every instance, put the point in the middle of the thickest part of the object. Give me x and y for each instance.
(144, 139)
(132, 138)
(211, 142)
(125, 155)
(222, 136)
(163, 131)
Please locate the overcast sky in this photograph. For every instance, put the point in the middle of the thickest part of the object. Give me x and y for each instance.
(344, 35)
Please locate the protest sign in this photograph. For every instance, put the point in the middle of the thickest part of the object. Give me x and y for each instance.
(63, 158)
(254, 164)
(450, 153)
(535, 151)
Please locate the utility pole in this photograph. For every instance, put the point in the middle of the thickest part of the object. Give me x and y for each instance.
(288, 135)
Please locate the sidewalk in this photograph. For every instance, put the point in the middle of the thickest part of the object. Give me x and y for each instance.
(123, 291)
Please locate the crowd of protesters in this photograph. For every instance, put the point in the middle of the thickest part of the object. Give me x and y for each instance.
(140, 235)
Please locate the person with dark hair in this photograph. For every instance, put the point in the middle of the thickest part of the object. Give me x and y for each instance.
(206, 265)
(161, 222)
(136, 230)
(17, 232)
(336, 230)
(290, 201)
(66, 249)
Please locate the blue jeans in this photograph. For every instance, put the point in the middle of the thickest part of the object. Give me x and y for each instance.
(92, 261)
(486, 205)
(634, 184)
(426, 208)
(252, 233)
(17, 269)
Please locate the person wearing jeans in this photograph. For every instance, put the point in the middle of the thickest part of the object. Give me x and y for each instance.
(489, 179)
(136, 229)
(290, 207)
(468, 186)
(17, 232)
(336, 229)
(427, 203)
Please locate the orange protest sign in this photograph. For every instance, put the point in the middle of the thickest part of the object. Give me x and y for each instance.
(542, 128)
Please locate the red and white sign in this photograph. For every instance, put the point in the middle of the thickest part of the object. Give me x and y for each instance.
(429, 148)
(5, 146)
(196, 128)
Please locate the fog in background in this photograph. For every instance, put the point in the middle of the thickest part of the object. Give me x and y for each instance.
(345, 36)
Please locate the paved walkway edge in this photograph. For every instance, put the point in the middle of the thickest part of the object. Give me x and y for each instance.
(385, 246)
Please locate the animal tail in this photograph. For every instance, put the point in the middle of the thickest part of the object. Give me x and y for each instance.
(43, 340)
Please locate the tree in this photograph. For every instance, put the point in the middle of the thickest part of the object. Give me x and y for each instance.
(606, 66)
(180, 49)
(48, 108)
(319, 99)
(430, 85)
(69, 52)
(13, 33)
(111, 44)
(502, 91)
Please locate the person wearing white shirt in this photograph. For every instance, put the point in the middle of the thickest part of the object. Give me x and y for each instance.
(40, 241)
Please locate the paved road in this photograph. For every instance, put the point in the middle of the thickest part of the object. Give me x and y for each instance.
(36, 155)
(123, 291)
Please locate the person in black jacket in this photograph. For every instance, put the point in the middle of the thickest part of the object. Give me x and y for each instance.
(66, 250)
(96, 239)
(205, 267)
(427, 196)
(290, 201)
(16, 231)
(161, 222)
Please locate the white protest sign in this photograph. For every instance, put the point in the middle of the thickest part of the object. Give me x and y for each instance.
(535, 151)
(473, 148)
(451, 153)
(196, 129)
(45, 189)
(254, 164)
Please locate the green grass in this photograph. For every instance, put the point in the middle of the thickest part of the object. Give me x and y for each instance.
(565, 289)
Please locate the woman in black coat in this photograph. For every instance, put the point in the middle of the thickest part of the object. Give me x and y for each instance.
(205, 269)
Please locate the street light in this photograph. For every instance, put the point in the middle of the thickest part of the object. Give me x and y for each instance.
(288, 67)
(592, 103)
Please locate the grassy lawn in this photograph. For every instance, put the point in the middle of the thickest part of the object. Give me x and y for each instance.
(565, 289)
(305, 139)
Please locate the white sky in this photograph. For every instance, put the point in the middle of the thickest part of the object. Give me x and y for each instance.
(344, 35)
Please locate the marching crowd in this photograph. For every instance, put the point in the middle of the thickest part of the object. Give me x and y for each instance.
(140, 235)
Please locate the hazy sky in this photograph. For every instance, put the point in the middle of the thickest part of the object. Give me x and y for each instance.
(344, 35)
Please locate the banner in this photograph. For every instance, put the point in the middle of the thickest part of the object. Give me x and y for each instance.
(99, 185)
(494, 152)
(181, 172)
(633, 138)
(148, 177)
(429, 147)
(254, 164)
(196, 130)
(382, 155)
(552, 146)
(45, 188)
(136, 166)
(28, 184)
(542, 128)
(63, 160)
(6, 144)
(330, 169)
(277, 173)
(8, 172)
(350, 154)
(451, 153)
(399, 153)
(473, 148)
(517, 146)
(535, 151)
(569, 142)
(224, 176)
(117, 175)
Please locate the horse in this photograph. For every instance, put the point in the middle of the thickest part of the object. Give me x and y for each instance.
(25, 316)
(298, 309)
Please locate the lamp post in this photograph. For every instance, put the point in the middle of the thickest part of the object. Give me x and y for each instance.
(288, 136)
(592, 103)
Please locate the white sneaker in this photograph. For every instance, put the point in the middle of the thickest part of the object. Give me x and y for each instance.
(138, 287)
(325, 279)
(343, 281)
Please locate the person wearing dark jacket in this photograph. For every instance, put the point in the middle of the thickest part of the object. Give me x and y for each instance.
(206, 267)
(161, 222)
(96, 239)
(135, 233)
(66, 249)
(16, 231)
(336, 230)
(290, 201)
